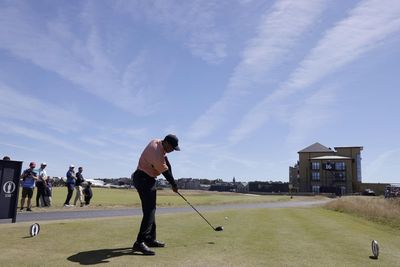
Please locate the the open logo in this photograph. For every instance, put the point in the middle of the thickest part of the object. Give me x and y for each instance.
(9, 187)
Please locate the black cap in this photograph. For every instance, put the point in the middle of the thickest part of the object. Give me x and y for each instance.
(173, 141)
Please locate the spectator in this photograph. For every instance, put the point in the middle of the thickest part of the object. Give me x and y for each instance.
(41, 186)
(88, 193)
(78, 186)
(28, 177)
(70, 185)
(49, 191)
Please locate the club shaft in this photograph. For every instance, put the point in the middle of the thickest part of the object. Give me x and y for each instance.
(196, 210)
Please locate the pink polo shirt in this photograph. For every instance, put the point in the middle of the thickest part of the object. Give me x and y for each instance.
(152, 160)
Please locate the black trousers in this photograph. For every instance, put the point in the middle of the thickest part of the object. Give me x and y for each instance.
(70, 188)
(40, 193)
(146, 187)
(87, 200)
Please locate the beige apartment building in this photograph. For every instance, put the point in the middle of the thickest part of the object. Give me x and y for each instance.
(324, 170)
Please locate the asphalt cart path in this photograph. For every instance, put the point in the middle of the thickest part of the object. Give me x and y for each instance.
(83, 213)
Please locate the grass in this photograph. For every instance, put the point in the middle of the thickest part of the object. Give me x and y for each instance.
(378, 209)
(258, 237)
(114, 198)
(251, 237)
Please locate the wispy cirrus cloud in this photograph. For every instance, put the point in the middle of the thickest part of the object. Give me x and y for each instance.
(99, 148)
(17, 146)
(304, 119)
(122, 137)
(386, 160)
(194, 22)
(29, 117)
(31, 110)
(31, 133)
(369, 24)
(80, 57)
(278, 32)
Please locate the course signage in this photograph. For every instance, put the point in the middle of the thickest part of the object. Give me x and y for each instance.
(10, 172)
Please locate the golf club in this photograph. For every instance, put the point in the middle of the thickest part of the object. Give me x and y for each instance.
(218, 228)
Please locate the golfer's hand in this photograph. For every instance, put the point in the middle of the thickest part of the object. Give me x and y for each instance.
(175, 189)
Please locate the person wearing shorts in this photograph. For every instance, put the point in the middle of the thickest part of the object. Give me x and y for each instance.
(28, 177)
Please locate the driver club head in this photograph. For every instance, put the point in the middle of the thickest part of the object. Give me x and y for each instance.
(219, 228)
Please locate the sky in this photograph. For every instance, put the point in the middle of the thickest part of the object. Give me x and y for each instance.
(244, 84)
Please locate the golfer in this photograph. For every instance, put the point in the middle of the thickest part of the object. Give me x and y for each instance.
(152, 163)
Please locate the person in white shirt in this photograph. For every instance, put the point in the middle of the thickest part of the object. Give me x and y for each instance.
(41, 186)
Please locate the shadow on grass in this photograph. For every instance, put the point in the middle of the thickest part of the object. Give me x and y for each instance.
(100, 256)
(93, 257)
(192, 244)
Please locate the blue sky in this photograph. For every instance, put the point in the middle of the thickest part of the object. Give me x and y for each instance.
(244, 84)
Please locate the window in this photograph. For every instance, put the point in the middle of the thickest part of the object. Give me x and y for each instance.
(315, 165)
(329, 166)
(315, 176)
(340, 176)
(343, 190)
(358, 167)
(315, 189)
(340, 166)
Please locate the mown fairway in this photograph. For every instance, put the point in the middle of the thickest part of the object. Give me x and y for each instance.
(113, 198)
(259, 237)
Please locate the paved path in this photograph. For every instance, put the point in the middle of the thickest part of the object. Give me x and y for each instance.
(71, 213)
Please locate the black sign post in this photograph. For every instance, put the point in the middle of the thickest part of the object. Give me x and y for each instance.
(10, 171)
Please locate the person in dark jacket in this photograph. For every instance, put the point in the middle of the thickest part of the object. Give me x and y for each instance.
(49, 191)
(87, 192)
(78, 187)
(70, 185)
(41, 186)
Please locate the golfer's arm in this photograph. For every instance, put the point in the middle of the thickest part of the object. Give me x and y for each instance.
(168, 174)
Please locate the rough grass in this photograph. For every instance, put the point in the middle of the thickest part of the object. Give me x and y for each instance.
(384, 211)
(258, 237)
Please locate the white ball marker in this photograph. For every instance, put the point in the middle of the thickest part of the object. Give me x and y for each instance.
(375, 248)
(34, 230)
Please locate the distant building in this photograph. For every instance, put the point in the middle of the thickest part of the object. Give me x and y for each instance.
(242, 187)
(294, 178)
(268, 187)
(323, 170)
(189, 183)
(223, 187)
(237, 187)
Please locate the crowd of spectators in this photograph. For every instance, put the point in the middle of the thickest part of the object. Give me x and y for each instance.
(392, 191)
(75, 181)
(33, 177)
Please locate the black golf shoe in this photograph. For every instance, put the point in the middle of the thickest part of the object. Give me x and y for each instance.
(141, 247)
(155, 244)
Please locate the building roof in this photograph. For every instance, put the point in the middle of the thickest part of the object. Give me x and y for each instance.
(360, 147)
(316, 147)
(330, 157)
